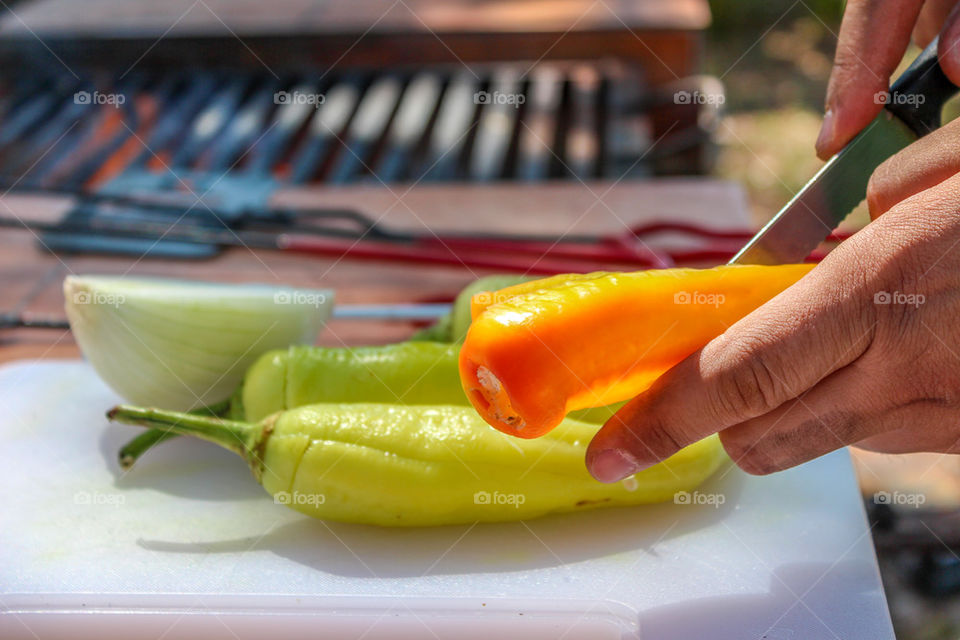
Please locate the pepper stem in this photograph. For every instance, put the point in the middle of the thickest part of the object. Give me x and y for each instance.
(136, 447)
(242, 438)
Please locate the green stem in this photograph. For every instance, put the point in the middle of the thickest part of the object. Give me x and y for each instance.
(136, 447)
(133, 450)
(217, 409)
(242, 438)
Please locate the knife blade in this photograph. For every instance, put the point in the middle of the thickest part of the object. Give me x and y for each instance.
(912, 110)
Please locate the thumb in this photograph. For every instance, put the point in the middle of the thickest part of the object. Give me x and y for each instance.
(772, 355)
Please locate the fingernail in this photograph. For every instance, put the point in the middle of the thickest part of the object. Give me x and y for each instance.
(611, 465)
(826, 131)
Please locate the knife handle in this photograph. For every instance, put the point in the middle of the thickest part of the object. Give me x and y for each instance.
(918, 95)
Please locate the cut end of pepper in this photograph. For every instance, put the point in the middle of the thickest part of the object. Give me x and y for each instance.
(492, 402)
(497, 399)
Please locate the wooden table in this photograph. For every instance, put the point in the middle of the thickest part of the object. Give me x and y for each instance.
(30, 279)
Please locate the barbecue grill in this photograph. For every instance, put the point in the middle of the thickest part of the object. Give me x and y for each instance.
(505, 122)
(234, 137)
(172, 135)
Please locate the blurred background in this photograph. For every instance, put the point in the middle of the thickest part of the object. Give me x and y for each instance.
(689, 122)
(775, 68)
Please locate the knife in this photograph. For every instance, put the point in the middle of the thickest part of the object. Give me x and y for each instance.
(912, 110)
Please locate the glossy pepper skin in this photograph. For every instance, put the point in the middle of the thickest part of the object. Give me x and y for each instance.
(539, 350)
(453, 326)
(409, 373)
(391, 465)
(405, 373)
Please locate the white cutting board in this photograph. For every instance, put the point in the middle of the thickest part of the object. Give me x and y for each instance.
(192, 547)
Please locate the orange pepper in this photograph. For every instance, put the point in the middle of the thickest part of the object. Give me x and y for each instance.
(538, 350)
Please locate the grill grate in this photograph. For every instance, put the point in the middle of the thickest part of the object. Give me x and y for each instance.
(504, 122)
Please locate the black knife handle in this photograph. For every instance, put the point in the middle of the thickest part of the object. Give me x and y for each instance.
(918, 95)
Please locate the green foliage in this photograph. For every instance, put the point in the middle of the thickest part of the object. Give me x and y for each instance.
(750, 14)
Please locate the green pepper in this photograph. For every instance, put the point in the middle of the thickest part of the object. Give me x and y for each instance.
(405, 373)
(409, 373)
(396, 465)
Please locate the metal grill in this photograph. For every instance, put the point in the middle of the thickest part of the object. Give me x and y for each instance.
(554, 121)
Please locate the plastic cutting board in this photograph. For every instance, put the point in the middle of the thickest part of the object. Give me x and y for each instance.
(187, 545)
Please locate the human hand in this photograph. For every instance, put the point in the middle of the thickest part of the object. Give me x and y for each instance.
(863, 350)
(873, 38)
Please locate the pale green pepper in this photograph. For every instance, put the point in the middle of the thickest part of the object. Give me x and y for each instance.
(409, 373)
(405, 373)
(393, 465)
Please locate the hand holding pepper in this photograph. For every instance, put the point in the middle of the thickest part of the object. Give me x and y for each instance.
(866, 349)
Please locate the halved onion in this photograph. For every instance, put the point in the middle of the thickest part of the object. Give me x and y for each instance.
(181, 344)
